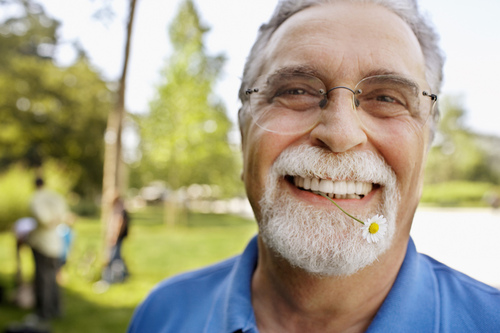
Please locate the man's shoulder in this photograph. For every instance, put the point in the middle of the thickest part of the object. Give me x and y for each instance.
(190, 294)
(48, 207)
(44, 193)
(453, 280)
(215, 298)
(464, 301)
(197, 279)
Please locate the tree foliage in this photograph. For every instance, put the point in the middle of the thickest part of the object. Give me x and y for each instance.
(49, 112)
(184, 136)
(457, 154)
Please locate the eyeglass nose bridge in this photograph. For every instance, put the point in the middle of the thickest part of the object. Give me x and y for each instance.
(324, 101)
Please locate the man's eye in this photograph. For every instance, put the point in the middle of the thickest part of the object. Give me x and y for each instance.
(387, 99)
(292, 92)
(297, 92)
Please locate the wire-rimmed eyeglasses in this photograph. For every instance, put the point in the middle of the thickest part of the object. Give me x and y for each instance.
(293, 103)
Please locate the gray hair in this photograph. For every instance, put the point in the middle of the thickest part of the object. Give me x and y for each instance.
(407, 10)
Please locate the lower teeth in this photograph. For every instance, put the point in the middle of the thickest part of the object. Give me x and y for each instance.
(342, 196)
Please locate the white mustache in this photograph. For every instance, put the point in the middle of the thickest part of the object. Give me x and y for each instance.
(310, 161)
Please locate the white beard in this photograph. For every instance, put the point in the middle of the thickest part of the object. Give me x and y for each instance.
(325, 242)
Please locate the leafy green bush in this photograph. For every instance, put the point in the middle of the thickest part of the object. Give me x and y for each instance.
(16, 186)
(458, 193)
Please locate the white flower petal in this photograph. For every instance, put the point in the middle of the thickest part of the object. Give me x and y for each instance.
(382, 224)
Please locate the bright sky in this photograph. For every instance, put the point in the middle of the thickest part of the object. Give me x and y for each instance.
(470, 35)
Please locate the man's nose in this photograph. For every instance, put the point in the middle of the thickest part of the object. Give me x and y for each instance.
(339, 128)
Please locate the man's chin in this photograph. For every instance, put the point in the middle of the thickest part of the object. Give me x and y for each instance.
(324, 243)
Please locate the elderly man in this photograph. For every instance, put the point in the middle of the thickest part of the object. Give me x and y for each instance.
(338, 104)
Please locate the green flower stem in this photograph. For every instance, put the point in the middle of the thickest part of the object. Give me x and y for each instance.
(346, 213)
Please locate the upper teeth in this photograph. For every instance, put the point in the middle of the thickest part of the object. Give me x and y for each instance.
(334, 189)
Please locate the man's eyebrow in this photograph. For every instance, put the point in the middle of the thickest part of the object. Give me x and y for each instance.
(401, 77)
(301, 69)
(312, 70)
(377, 72)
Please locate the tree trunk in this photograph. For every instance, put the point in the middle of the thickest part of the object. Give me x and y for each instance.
(112, 171)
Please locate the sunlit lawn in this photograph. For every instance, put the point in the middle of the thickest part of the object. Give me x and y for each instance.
(153, 251)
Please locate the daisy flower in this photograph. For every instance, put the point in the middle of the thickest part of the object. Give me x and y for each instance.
(374, 229)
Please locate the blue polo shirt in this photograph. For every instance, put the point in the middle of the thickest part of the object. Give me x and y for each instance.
(427, 296)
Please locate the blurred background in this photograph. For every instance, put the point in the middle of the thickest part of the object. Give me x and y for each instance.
(98, 103)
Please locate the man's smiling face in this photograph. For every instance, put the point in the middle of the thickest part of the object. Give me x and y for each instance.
(343, 43)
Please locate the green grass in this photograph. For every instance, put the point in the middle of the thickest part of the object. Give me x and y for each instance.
(153, 251)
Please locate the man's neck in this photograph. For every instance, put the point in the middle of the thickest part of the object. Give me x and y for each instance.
(287, 299)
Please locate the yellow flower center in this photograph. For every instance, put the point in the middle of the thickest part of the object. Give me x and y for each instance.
(373, 228)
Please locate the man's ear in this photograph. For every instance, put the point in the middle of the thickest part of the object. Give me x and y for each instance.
(242, 174)
(243, 126)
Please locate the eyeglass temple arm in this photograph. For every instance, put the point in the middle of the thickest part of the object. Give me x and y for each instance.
(250, 91)
(431, 96)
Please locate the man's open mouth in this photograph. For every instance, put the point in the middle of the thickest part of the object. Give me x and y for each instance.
(333, 189)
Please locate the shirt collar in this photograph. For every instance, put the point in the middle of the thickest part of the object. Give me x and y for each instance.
(413, 301)
(233, 311)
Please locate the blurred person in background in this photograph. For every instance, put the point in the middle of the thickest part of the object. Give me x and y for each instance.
(50, 210)
(22, 228)
(118, 227)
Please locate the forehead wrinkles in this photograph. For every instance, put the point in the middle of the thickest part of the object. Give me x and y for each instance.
(296, 47)
(341, 45)
(318, 62)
